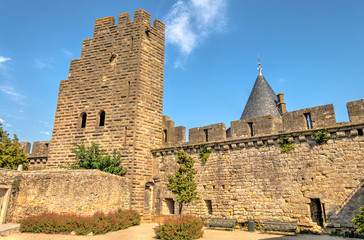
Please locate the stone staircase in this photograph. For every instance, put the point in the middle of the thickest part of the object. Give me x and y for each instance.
(9, 228)
(147, 216)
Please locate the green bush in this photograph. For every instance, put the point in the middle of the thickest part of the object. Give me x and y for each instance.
(11, 153)
(359, 221)
(286, 144)
(189, 227)
(204, 153)
(99, 223)
(320, 136)
(94, 158)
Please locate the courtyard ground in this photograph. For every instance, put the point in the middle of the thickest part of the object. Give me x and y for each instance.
(145, 232)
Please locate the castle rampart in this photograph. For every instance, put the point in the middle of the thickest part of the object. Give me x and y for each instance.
(249, 177)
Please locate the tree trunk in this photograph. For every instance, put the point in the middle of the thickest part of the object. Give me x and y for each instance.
(180, 210)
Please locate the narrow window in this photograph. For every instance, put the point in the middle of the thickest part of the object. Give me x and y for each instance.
(308, 120)
(316, 212)
(209, 206)
(83, 120)
(170, 205)
(165, 136)
(206, 131)
(131, 45)
(102, 118)
(128, 88)
(251, 129)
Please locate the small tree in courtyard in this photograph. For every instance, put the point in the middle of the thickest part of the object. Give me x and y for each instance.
(11, 153)
(182, 183)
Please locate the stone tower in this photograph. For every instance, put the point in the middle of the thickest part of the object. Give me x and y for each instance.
(114, 97)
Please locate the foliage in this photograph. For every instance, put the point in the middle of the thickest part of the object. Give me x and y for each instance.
(94, 158)
(182, 183)
(320, 136)
(286, 144)
(189, 227)
(204, 153)
(359, 221)
(11, 153)
(99, 223)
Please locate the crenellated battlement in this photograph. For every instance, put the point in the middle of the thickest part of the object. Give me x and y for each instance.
(140, 17)
(303, 136)
(38, 157)
(298, 121)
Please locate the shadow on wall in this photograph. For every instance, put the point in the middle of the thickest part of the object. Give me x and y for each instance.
(348, 210)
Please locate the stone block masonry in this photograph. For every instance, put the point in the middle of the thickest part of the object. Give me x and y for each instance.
(114, 97)
(82, 192)
(251, 178)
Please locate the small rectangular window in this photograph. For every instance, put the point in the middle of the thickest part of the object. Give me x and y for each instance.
(251, 129)
(206, 131)
(83, 120)
(165, 136)
(102, 119)
(308, 120)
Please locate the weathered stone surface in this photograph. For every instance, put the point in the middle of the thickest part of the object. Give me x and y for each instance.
(260, 182)
(64, 191)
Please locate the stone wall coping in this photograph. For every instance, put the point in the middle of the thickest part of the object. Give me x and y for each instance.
(299, 136)
(62, 171)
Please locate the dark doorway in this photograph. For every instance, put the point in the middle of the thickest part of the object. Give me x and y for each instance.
(316, 212)
(148, 195)
(170, 205)
(209, 206)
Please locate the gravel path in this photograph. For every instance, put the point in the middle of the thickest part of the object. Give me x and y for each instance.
(145, 232)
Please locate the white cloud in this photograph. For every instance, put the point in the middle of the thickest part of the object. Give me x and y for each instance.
(10, 91)
(189, 22)
(4, 69)
(67, 53)
(45, 133)
(4, 59)
(2, 121)
(41, 63)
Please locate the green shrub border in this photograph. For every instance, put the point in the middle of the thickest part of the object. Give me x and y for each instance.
(98, 223)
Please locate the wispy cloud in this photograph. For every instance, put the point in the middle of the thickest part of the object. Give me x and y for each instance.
(42, 63)
(4, 69)
(45, 133)
(11, 92)
(2, 121)
(190, 22)
(66, 53)
(4, 59)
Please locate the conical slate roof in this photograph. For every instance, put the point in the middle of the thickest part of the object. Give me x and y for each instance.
(262, 100)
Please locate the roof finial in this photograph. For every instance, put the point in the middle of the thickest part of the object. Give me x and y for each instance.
(259, 67)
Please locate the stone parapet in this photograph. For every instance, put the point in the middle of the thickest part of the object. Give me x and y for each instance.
(64, 191)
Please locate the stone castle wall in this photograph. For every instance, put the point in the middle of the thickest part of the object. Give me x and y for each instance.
(252, 178)
(64, 191)
(114, 97)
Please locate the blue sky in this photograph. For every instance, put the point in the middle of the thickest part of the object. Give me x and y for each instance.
(312, 51)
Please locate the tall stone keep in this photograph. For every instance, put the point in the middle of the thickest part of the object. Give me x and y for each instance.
(114, 97)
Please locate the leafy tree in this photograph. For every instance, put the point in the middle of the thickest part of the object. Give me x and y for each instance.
(182, 183)
(93, 157)
(11, 153)
(359, 221)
